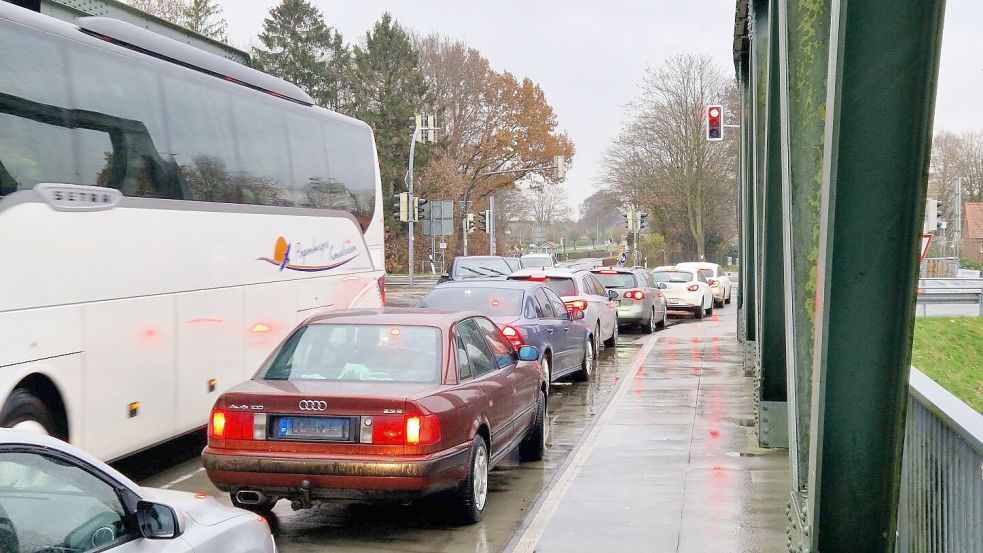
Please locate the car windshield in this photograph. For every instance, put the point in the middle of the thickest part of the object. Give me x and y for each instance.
(562, 286)
(384, 353)
(481, 267)
(673, 276)
(617, 280)
(536, 261)
(487, 301)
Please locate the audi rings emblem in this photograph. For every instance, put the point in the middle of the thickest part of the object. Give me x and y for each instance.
(313, 405)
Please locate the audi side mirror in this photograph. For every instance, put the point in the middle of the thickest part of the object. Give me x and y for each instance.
(576, 315)
(663, 286)
(612, 294)
(158, 521)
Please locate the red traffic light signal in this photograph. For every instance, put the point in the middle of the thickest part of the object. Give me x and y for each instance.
(715, 123)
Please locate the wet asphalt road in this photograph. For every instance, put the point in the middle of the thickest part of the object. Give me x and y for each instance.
(421, 526)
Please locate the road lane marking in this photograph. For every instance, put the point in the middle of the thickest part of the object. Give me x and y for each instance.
(177, 481)
(533, 532)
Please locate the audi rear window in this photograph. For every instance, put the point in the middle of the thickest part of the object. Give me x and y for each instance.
(487, 301)
(381, 353)
(617, 280)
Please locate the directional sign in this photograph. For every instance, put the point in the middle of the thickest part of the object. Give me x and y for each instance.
(623, 258)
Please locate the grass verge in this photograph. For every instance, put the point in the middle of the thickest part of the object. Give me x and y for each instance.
(950, 351)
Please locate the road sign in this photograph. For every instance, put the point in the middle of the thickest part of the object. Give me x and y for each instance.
(926, 242)
(623, 258)
(443, 245)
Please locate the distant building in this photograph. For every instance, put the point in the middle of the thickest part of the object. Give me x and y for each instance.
(972, 232)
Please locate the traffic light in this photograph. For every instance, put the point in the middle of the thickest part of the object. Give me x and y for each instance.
(933, 216)
(627, 216)
(401, 209)
(422, 210)
(484, 223)
(559, 167)
(469, 223)
(715, 123)
(642, 223)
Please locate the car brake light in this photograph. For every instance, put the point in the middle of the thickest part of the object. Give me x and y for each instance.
(513, 335)
(231, 425)
(576, 305)
(421, 430)
(537, 277)
(712, 282)
(634, 295)
(405, 430)
(693, 288)
(608, 272)
(382, 288)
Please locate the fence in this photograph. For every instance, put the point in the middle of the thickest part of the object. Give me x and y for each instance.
(941, 507)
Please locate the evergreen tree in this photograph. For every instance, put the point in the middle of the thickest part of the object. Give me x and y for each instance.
(205, 18)
(299, 47)
(388, 89)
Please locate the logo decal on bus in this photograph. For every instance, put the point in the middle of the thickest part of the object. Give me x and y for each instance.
(284, 259)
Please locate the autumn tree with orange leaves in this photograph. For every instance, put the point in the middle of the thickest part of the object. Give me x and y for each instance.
(492, 121)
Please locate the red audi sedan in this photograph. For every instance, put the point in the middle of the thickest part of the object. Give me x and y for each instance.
(379, 404)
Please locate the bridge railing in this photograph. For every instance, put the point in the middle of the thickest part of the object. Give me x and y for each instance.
(942, 473)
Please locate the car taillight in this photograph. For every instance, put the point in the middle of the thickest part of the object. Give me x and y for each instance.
(634, 295)
(576, 305)
(693, 288)
(405, 430)
(712, 282)
(513, 335)
(537, 277)
(231, 425)
(382, 288)
(422, 430)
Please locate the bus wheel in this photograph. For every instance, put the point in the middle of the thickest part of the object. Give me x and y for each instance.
(23, 411)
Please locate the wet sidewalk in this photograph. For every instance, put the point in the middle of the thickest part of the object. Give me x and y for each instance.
(672, 464)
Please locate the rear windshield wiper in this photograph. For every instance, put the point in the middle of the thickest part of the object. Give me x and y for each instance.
(493, 270)
(475, 271)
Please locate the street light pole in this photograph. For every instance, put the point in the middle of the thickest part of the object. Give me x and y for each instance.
(491, 225)
(412, 200)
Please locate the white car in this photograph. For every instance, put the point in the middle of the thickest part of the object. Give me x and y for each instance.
(54, 497)
(685, 290)
(718, 279)
(580, 290)
(544, 260)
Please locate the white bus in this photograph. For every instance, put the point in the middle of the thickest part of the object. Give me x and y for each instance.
(166, 216)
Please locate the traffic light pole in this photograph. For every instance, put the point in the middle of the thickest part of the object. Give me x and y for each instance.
(412, 203)
(491, 225)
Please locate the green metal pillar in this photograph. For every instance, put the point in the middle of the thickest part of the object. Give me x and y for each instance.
(879, 107)
(773, 426)
(802, 67)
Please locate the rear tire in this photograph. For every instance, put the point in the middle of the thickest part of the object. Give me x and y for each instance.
(24, 411)
(587, 364)
(612, 342)
(533, 446)
(700, 312)
(649, 326)
(731, 293)
(472, 493)
(710, 309)
(665, 320)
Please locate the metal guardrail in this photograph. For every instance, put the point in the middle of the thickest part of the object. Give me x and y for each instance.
(941, 506)
(419, 281)
(948, 295)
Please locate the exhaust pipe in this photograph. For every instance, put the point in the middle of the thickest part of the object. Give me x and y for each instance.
(250, 497)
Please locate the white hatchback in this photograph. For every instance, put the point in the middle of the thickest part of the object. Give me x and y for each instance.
(54, 497)
(718, 279)
(685, 290)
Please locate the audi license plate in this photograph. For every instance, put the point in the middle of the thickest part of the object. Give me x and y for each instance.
(335, 429)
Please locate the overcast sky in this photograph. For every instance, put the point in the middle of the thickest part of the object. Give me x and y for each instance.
(589, 55)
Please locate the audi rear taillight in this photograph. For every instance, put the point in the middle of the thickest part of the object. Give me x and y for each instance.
(513, 335)
(382, 288)
(634, 295)
(405, 430)
(693, 288)
(231, 425)
(576, 305)
(712, 282)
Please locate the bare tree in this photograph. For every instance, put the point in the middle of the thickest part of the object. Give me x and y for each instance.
(170, 10)
(546, 202)
(662, 162)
